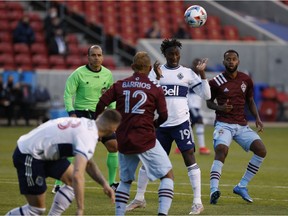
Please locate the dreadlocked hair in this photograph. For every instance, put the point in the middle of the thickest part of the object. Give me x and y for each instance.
(167, 43)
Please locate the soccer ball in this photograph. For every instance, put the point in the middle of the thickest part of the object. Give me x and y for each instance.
(195, 16)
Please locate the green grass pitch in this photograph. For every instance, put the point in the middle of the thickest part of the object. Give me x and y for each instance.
(269, 188)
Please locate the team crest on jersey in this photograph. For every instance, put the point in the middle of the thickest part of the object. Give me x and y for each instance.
(180, 76)
(39, 180)
(243, 86)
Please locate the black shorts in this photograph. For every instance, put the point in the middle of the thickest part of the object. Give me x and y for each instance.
(32, 173)
(195, 115)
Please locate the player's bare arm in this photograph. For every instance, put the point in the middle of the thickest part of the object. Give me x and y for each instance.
(201, 67)
(253, 109)
(157, 70)
(94, 172)
(226, 107)
(78, 182)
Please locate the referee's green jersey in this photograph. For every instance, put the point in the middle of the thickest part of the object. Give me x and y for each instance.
(84, 87)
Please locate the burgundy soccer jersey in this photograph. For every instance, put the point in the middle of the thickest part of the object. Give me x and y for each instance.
(136, 98)
(237, 91)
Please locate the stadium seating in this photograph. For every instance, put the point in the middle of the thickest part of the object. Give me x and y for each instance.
(73, 61)
(23, 61)
(57, 62)
(40, 61)
(21, 48)
(5, 37)
(6, 48)
(230, 33)
(197, 33)
(7, 61)
(38, 48)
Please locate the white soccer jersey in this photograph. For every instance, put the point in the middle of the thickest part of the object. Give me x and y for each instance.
(175, 83)
(60, 138)
(194, 101)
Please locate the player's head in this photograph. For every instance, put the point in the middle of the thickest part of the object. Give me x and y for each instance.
(107, 122)
(231, 60)
(95, 57)
(141, 63)
(195, 62)
(170, 48)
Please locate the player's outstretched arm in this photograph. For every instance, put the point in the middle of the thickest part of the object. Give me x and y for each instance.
(94, 172)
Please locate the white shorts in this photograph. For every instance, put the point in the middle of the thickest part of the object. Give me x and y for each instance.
(156, 162)
(243, 135)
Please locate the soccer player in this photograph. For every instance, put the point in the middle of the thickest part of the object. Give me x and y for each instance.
(175, 81)
(82, 91)
(43, 153)
(195, 104)
(232, 90)
(137, 98)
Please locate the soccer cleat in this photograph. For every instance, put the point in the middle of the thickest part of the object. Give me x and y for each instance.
(136, 204)
(196, 209)
(243, 192)
(114, 186)
(214, 196)
(55, 189)
(204, 151)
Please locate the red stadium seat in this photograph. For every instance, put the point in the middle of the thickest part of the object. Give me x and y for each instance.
(57, 62)
(84, 60)
(268, 110)
(14, 15)
(109, 62)
(126, 8)
(73, 61)
(23, 61)
(37, 26)
(22, 48)
(34, 17)
(198, 33)
(5, 37)
(83, 50)
(6, 48)
(40, 61)
(14, 6)
(75, 6)
(5, 26)
(3, 6)
(38, 48)
(3, 15)
(230, 33)
(39, 37)
(6, 59)
(73, 49)
(213, 22)
(92, 11)
(146, 23)
(71, 39)
(214, 33)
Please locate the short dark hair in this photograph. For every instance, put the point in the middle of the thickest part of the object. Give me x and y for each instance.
(231, 51)
(167, 43)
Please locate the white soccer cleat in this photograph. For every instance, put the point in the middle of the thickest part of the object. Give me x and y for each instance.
(196, 209)
(136, 204)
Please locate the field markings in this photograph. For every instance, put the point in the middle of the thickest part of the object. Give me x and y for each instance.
(12, 181)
